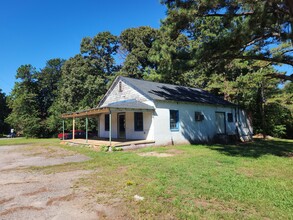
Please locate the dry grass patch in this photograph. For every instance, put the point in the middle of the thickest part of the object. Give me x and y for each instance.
(155, 154)
(41, 190)
(47, 151)
(21, 208)
(60, 198)
(2, 201)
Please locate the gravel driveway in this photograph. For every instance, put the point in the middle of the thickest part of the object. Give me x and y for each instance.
(27, 193)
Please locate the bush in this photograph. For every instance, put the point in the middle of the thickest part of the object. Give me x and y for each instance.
(279, 131)
(117, 149)
(104, 148)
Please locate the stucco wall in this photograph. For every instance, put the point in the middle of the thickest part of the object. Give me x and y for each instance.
(189, 129)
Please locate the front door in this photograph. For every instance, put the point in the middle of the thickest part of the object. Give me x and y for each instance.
(220, 123)
(121, 125)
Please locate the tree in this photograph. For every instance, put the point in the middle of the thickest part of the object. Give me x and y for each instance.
(101, 50)
(85, 77)
(23, 101)
(136, 44)
(48, 79)
(4, 111)
(234, 30)
(151, 54)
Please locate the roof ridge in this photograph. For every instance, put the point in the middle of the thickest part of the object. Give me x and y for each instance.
(169, 84)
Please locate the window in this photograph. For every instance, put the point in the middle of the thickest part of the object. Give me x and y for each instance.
(107, 122)
(174, 120)
(230, 117)
(198, 116)
(138, 121)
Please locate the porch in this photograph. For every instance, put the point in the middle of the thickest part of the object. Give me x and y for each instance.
(105, 142)
(117, 126)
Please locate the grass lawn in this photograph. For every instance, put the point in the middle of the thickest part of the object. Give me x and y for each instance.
(247, 181)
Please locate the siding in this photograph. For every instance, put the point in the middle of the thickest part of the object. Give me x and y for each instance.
(127, 93)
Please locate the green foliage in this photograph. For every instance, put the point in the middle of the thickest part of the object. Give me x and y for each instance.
(136, 44)
(4, 111)
(32, 97)
(279, 131)
(104, 148)
(25, 115)
(222, 31)
(100, 50)
(117, 148)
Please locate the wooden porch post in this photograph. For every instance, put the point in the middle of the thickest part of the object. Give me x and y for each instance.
(73, 128)
(110, 130)
(63, 129)
(86, 129)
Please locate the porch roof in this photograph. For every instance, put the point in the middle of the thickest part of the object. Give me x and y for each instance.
(128, 105)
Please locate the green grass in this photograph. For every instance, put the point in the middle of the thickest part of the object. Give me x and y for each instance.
(247, 181)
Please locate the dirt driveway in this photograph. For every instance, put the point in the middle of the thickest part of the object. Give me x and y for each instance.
(27, 193)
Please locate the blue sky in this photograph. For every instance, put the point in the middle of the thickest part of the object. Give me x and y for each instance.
(34, 31)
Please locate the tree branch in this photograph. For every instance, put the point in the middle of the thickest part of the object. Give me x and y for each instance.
(254, 40)
(255, 57)
(225, 15)
(280, 76)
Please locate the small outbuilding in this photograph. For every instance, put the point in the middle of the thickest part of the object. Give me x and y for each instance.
(165, 114)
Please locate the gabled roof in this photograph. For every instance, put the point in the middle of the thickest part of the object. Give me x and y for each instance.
(168, 92)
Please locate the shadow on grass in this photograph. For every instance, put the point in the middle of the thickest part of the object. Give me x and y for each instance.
(257, 148)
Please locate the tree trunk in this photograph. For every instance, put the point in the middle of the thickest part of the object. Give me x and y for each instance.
(262, 110)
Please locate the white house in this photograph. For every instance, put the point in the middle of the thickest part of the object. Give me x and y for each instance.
(165, 114)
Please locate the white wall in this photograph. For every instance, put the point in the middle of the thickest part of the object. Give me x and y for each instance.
(146, 134)
(189, 129)
(105, 134)
(244, 126)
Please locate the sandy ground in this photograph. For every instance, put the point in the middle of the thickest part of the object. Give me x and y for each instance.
(32, 194)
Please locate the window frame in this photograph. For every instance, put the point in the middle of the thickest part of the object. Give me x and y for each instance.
(230, 117)
(176, 119)
(136, 119)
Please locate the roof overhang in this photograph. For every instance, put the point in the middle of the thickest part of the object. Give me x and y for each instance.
(124, 106)
(86, 113)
